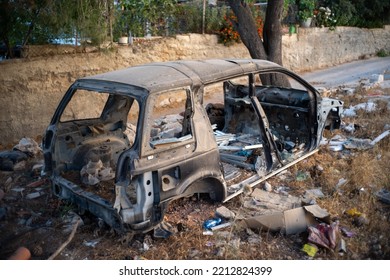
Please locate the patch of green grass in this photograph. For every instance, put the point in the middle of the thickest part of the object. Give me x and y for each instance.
(382, 53)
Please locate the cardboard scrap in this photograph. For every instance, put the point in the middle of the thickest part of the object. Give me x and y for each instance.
(318, 212)
(272, 222)
(295, 221)
(273, 201)
(290, 221)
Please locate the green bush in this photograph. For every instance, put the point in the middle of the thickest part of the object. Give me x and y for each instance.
(360, 13)
(382, 53)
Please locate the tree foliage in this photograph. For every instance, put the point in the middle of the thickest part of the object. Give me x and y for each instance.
(41, 21)
(144, 16)
(188, 18)
(20, 18)
(360, 13)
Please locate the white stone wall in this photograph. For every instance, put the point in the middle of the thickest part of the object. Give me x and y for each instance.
(314, 48)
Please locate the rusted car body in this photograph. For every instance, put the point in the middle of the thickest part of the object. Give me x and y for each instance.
(109, 152)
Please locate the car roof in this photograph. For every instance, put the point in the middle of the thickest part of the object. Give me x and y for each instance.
(159, 76)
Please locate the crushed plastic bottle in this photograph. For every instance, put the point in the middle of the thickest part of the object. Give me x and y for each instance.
(208, 224)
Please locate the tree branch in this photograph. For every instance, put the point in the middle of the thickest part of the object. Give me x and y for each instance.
(63, 245)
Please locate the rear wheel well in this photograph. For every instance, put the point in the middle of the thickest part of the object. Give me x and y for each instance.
(212, 186)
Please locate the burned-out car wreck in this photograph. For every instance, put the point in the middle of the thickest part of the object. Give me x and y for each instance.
(123, 144)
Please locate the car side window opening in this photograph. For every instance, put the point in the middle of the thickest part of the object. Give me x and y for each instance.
(286, 112)
(172, 119)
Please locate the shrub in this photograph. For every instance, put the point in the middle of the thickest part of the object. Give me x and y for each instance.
(228, 35)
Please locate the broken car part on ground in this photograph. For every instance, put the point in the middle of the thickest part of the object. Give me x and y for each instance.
(123, 160)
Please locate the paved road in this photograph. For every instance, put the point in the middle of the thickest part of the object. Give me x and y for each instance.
(348, 73)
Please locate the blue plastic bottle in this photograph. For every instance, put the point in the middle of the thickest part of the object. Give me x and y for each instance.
(208, 224)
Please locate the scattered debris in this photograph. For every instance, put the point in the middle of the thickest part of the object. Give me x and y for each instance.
(336, 143)
(310, 249)
(350, 128)
(28, 146)
(221, 226)
(70, 220)
(92, 243)
(265, 202)
(267, 187)
(10, 159)
(310, 196)
(358, 144)
(324, 235)
(314, 193)
(193, 253)
(18, 190)
(140, 258)
(348, 91)
(376, 78)
(342, 247)
(295, 221)
(346, 232)
(163, 230)
(361, 220)
(63, 245)
(208, 224)
(8, 182)
(341, 183)
(369, 107)
(37, 167)
(20, 166)
(302, 176)
(380, 137)
(94, 172)
(383, 195)
(37, 183)
(318, 212)
(290, 221)
(34, 195)
(353, 212)
(225, 213)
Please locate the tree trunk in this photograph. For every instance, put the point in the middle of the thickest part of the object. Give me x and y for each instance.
(246, 27)
(269, 49)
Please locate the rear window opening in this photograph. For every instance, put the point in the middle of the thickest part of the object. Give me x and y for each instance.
(91, 139)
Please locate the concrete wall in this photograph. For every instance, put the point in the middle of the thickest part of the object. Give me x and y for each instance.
(31, 88)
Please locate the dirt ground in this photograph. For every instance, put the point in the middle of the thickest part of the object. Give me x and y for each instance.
(349, 180)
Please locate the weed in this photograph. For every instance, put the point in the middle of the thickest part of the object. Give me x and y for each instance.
(382, 53)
